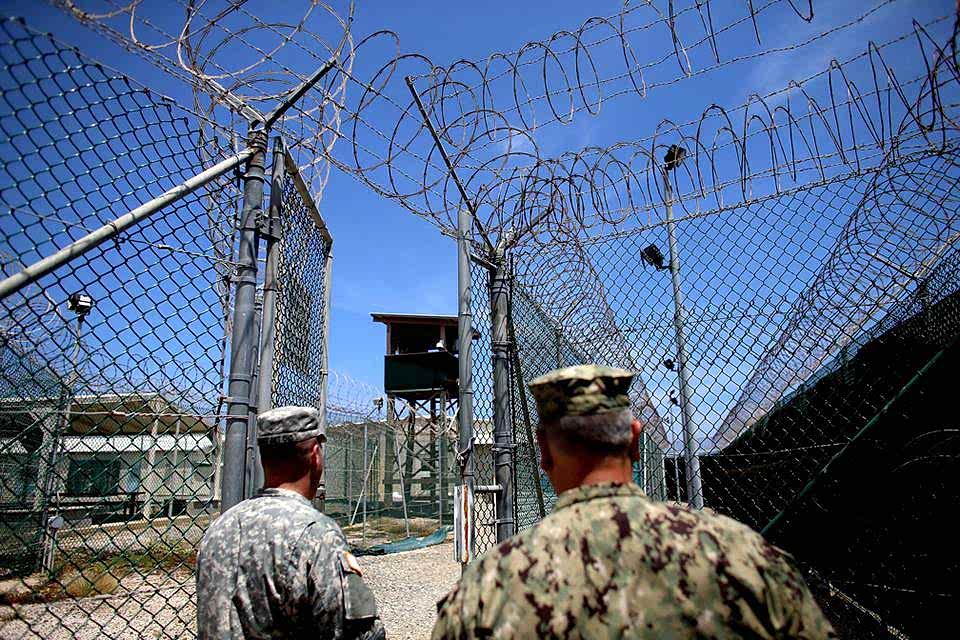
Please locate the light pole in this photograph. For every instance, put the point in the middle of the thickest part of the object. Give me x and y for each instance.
(652, 256)
(81, 304)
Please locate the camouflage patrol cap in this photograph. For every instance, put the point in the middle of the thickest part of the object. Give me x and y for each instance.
(285, 425)
(583, 390)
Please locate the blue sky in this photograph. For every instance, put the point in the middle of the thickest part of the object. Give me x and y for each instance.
(389, 260)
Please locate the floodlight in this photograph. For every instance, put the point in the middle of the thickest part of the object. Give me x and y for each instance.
(653, 257)
(675, 155)
(80, 303)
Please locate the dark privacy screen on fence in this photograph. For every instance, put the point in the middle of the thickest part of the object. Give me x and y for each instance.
(821, 331)
(785, 284)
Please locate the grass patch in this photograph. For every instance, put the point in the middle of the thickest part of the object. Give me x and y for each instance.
(82, 575)
(388, 529)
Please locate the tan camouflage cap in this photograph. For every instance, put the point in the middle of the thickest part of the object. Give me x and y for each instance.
(583, 390)
(285, 425)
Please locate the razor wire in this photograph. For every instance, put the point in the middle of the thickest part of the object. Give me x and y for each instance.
(242, 57)
(849, 116)
(807, 217)
(821, 326)
(113, 387)
(816, 253)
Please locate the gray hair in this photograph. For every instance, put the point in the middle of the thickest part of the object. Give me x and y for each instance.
(609, 430)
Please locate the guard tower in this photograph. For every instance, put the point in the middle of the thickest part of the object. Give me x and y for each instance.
(420, 380)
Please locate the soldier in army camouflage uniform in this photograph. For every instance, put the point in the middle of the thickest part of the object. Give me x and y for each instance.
(275, 567)
(608, 562)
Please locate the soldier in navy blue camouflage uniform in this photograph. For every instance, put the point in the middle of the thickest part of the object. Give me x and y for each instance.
(275, 567)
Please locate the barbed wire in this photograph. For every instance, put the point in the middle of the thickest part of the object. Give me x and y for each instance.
(349, 399)
(482, 110)
(763, 146)
(240, 64)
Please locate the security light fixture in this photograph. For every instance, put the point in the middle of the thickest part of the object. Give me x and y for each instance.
(80, 303)
(675, 155)
(652, 256)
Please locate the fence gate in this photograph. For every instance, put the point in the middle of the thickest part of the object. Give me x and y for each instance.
(133, 297)
(113, 361)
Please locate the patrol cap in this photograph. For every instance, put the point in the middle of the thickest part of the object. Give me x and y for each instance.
(286, 425)
(583, 390)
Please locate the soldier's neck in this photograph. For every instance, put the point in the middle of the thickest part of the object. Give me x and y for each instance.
(303, 486)
(618, 470)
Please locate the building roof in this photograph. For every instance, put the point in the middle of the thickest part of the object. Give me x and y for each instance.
(412, 318)
(90, 444)
(187, 442)
(108, 413)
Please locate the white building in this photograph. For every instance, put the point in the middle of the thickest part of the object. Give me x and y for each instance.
(115, 456)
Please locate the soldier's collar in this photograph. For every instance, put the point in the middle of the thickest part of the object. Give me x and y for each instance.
(283, 493)
(591, 491)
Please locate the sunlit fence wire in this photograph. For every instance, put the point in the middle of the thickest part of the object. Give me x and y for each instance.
(113, 385)
(783, 283)
(388, 472)
(383, 483)
(111, 412)
(821, 330)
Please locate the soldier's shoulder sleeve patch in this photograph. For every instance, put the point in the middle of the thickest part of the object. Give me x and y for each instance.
(358, 600)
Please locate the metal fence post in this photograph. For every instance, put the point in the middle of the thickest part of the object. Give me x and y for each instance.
(363, 491)
(271, 230)
(690, 447)
(465, 364)
(251, 462)
(49, 477)
(325, 361)
(502, 431)
(240, 383)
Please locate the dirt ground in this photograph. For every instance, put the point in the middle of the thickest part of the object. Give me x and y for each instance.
(407, 587)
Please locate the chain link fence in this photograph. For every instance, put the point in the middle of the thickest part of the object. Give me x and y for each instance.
(115, 359)
(819, 334)
(389, 469)
(484, 502)
(386, 483)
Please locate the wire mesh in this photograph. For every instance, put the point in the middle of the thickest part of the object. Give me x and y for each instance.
(820, 327)
(484, 506)
(389, 468)
(541, 345)
(302, 278)
(110, 413)
(815, 247)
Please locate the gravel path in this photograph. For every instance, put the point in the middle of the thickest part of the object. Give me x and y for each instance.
(408, 585)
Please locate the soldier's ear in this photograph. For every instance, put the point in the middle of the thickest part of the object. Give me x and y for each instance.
(546, 455)
(635, 430)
